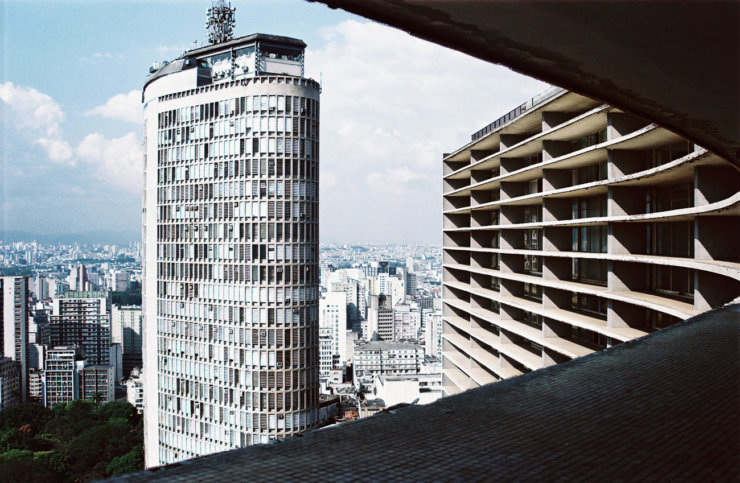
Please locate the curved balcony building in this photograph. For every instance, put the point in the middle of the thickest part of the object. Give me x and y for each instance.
(571, 226)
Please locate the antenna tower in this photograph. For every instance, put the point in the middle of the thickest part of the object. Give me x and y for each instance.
(220, 22)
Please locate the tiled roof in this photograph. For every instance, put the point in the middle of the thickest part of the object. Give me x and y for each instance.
(663, 407)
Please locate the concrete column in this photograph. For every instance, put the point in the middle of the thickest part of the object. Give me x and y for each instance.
(481, 260)
(712, 290)
(554, 298)
(478, 154)
(512, 263)
(553, 179)
(555, 149)
(455, 202)
(626, 200)
(479, 197)
(456, 220)
(512, 189)
(714, 183)
(509, 165)
(627, 238)
(622, 162)
(454, 275)
(512, 239)
(558, 239)
(557, 209)
(550, 357)
(483, 239)
(455, 239)
(457, 257)
(480, 175)
(628, 276)
(557, 268)
(620, 124)
(509, 140)
(620, 314)
(716, 237)
(450, 166)
(552, 119)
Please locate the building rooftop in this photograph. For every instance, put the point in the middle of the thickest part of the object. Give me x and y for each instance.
(276, 39)
(386, 345)
(662, 407)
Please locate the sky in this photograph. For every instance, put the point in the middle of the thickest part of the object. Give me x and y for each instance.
(391, 104)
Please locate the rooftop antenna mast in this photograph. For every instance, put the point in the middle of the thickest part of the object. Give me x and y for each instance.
(220, 22)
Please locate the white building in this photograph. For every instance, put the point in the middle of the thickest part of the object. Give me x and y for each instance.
(406, 322)
(135, 391)
(230, 273)
(433, 334)
(407, 388)
(61, 376)
(389, 358)
(14, 293)
(333, 316)
(126, 329)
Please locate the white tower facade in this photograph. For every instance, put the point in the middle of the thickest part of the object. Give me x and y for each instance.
(230, 227)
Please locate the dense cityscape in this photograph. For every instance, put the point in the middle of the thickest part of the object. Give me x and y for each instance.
(83, 327)
(574, 233)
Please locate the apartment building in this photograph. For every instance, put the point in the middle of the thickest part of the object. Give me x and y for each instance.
(14, 294)
(571, 226)
(230, 227)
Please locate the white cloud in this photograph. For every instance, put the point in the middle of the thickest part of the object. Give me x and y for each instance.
(391, 105)
(39, 116)
(58, 150)
(397, 181)
(121, 107)
(116, 161)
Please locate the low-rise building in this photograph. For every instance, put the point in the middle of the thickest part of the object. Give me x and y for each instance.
(388, 358)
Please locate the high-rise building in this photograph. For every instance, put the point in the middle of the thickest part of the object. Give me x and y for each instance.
(10, 382)
(82, 319)
(571, 226)
(61, 377)
(333, 317)
(135, 390)
(230, 227)
(96, 383)
(78, 278)
(14, 293)
(126, 327)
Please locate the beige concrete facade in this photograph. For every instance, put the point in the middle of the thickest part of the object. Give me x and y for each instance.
(571, 226)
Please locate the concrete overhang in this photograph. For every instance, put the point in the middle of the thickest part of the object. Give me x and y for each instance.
(675, 63)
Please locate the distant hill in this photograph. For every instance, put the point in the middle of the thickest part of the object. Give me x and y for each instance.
(87, 237)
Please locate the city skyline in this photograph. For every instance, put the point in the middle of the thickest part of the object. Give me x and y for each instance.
(76, 116)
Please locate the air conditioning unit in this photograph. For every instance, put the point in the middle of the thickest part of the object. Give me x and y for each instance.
(279, 365)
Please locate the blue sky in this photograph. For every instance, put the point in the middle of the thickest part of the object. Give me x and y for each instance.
(391, 104)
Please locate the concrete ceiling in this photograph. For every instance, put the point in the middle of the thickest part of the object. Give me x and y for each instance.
(673, 62)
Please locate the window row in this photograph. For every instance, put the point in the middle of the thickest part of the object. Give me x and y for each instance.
(296, 232)
(243, 126)
(263, 168)
(257, 274)
(278, 146)
(238, 106)
(303, 253)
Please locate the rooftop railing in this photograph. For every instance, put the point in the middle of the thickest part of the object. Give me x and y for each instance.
(543, 96)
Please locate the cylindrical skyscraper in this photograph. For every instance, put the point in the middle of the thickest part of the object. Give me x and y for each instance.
(230, 227)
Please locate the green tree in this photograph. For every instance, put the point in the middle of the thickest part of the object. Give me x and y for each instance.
(131, 461)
